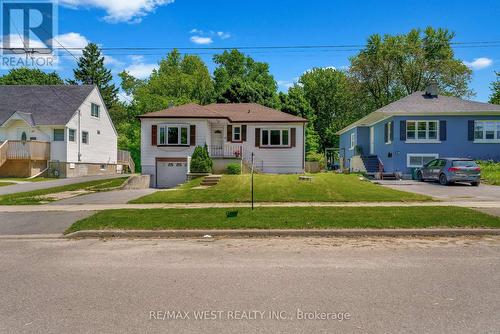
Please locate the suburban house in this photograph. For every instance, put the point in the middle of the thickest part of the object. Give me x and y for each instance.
(418, 128)
(62, 131)
(232, 132)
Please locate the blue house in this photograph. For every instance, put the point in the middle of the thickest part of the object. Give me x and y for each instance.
(418, 128)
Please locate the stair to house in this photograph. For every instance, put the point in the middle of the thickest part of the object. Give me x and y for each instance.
(371, 162)
(210, 180)
(389, 176)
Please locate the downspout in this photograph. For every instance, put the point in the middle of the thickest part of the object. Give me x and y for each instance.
(78, 136)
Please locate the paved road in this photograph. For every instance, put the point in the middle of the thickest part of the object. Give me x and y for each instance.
(118, 286)
(30, 186)
(453, 192)
(38, 222)
(108, 197)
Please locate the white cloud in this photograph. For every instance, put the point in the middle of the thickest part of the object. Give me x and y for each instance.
(72, 41)
(201, 40)
(131, 11)
(285, 83)
(479, 63)
(139, 69)
(223, 35)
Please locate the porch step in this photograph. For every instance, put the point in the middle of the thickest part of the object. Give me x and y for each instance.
(371, 163)
(389, 176)
(210, 180)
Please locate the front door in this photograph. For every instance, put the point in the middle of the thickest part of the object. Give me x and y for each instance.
(217, 148)
(372, 140)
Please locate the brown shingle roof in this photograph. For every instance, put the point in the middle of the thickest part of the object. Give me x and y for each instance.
(234, 112)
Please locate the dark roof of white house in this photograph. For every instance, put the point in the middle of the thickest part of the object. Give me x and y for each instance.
(42, 105)
(421, 102)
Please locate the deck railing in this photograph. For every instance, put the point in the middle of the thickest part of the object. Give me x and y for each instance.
(124, 158)
(226, 151)
(27, 150)
(3, 152)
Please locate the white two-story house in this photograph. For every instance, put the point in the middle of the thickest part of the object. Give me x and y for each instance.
(232, 132)
(62, 131)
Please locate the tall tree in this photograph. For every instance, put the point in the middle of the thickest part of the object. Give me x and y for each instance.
(336, 101)
(239, 78)
(495, 90)
(91, 71)
(28, 76)
(391, 67)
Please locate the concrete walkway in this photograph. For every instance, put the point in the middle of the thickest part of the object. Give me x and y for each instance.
(99, 207)
(30, 186)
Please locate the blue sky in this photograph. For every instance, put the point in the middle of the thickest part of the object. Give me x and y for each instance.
(189, 23)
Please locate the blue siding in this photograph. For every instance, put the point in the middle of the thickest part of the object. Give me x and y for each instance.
(394, 155)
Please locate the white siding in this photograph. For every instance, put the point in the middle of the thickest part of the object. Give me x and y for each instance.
(102, 147)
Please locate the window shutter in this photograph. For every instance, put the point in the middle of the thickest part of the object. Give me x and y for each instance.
(386, 133)
(402, 130)
(244, 133)
(192, 135)
(154, 133)
(471, 130)
(442, 130)
(391, 124)
(257, 137)
(229, 133)
(292, 136)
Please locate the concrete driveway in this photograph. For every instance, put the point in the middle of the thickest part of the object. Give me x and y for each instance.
(453, 192)
(30, 186)
(126, 286)
(121, 196)
(54, 222)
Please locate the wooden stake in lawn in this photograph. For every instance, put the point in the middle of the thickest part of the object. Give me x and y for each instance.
(252, 177)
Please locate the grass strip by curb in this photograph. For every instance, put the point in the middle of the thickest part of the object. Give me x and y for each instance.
(287, 218)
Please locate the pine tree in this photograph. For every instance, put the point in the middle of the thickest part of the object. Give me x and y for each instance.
(495, 90)
(91, 71)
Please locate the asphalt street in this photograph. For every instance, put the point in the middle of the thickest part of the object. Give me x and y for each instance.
(251, 286)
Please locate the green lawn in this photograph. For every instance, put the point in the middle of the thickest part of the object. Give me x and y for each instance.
(33, 197)
(293, 218)
(25, 179)
(490, 172)
(325, 187)
(2, 183)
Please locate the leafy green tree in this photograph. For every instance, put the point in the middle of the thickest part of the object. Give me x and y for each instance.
(495, 90)
(238, 78)
(28, 76)
(391, 67)
(200, 161)
(91, 71)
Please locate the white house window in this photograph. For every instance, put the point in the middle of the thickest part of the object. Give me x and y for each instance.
(275, 137)
(353, 141)
(388, 130)
(422, 130)
(71, 134)
(486, 131)
(419, 159)
(236, 133)
(58, 134)
(85, 137)
(94, 110)
(173, 134)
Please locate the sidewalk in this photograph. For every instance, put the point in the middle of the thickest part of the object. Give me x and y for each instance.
(100, 207)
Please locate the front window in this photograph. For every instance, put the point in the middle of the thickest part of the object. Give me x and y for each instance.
(487, 131)
(58, 134)
(173, 134)
(419, 160)
(353, 140)
(236, 133)
(94, 110)
(85, 137)
(422, 130)
(275, 137)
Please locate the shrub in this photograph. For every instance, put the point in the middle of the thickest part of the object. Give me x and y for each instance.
(233, 168)
(200, 161)
(317, 157)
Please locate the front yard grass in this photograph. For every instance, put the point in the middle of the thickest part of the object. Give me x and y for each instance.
(324, 187)
(287, 218)
(3, 184)
(490, 172)
(38, 196)
(25, 179)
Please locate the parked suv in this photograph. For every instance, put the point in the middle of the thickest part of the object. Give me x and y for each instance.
(449, 170)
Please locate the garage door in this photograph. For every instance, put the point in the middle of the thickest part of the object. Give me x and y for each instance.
(170, 173)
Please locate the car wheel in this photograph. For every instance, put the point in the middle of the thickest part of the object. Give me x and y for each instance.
(420, 177)
(443, 180)
(475, 184)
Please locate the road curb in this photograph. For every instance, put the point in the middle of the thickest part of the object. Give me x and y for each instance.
(281, 233)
